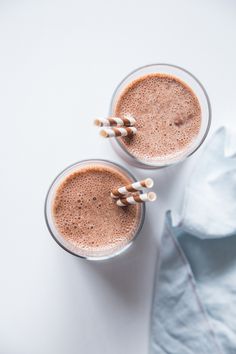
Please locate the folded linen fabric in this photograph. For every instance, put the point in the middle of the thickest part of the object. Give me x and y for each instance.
(194, 301)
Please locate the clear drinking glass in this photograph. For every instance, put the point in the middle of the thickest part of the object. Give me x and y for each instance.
(199, 91)
(66, 245)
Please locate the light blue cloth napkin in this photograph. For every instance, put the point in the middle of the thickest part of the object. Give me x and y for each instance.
(194, 303)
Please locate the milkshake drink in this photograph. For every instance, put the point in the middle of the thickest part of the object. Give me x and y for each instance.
(84, 218)
(170, 116)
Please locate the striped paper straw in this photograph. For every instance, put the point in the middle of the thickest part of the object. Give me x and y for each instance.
(115, 132)
(136, 199)
(127, 121)
(133, 187)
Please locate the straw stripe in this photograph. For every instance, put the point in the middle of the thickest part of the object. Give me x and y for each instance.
(133, 187)
(115, 132)
(136, 199)
(127, 121)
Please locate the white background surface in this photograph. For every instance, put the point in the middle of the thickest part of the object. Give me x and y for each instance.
(59, 64)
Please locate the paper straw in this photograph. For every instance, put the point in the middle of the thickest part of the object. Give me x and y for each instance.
(127, 121)
(133, 187)
(136, 199)
(115, 132)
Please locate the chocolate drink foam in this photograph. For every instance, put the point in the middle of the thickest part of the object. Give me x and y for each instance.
(167, 113)
(87, 217)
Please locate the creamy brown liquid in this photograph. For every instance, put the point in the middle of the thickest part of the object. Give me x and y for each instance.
(168, 116)
(87, 217)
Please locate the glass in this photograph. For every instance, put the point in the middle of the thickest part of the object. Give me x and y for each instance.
(199, 91)
(66, 245)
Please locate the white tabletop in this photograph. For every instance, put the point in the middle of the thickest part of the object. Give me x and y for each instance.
(59, 64)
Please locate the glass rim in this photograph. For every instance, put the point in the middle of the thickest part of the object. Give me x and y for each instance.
(46, 211)
(156, 164)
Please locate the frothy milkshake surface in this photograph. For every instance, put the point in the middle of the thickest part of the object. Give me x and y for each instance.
(168, 116)
(86, 216)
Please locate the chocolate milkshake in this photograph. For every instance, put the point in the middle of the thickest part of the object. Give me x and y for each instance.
(85, 216)
(167, 112)
(171, 120)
